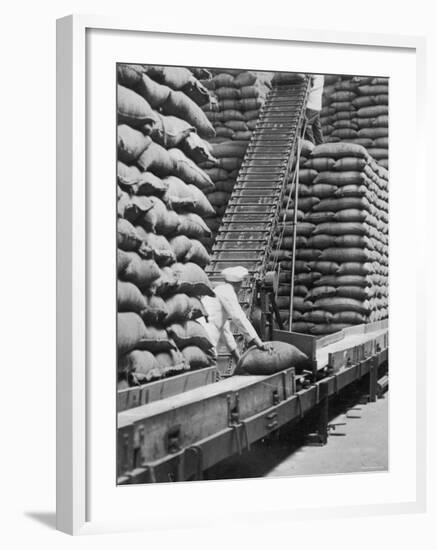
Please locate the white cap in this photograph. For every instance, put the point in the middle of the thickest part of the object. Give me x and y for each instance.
(235, 274)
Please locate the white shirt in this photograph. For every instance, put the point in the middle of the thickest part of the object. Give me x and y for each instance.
(222, 309)
(315, 93)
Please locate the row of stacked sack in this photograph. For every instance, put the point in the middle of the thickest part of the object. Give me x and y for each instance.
(236, 99)
(355, 110)
(161, 206)
(341, 259)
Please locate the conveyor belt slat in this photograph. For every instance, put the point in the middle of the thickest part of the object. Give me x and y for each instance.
(253, 209)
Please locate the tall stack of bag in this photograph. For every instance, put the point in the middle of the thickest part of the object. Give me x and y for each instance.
(355, 110)
(342, 260)
(339, 113)
(282, 252)
(161, 204)
(327, 113)
(372, 117)
(237, 97)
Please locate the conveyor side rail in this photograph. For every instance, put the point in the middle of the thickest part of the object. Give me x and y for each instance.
(253, 209)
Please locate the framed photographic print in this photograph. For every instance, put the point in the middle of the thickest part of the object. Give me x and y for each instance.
(233, 219)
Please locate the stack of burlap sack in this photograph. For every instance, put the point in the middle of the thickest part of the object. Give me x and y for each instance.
(341, 276)
(282, 252)
(161, 206)
(237, 97)
(355, 110)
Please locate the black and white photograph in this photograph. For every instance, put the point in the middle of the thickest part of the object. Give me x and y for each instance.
(252, 273)
(218, 247)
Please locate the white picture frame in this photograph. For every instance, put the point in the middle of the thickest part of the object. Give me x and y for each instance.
(73, 472)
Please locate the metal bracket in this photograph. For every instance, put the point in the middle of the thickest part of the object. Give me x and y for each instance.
(335, 377)
(299, 402)
(320, 437)
(172, 439)
(235, 423)
(373, 381)
(272, 420)
(275, 397)
(238, 428)
(233, 409)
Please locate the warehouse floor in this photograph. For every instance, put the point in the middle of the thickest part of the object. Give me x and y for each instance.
(361, 445)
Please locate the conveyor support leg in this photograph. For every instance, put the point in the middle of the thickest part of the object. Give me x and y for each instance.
(320, 437)
(373, 381)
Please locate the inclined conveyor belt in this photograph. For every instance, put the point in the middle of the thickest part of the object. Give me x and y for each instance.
(246, 234)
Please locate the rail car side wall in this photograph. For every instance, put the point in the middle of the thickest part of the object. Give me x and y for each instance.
(187, 438)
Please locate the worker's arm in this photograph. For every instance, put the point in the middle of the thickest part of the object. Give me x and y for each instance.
(229, 300)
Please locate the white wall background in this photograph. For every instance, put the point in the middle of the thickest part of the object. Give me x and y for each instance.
(27, 452)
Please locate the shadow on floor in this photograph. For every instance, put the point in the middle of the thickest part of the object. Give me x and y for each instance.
(267, 453)
(46, 518)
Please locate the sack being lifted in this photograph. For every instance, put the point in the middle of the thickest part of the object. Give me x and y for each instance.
(280, 356)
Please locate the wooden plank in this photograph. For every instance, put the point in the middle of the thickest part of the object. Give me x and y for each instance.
(199, 413)
(174, 427)
(214, 449)
(329, 339)
(363, 329)
(354, 354)
(161, 389)
(223, 444)
(346, 377)
(343, 358)
(155, 408)
(348, 343)
(376, 326)
(258, 397)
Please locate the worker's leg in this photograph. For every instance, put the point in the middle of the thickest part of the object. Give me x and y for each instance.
(317, 130)
(309, 114)
(309, 133)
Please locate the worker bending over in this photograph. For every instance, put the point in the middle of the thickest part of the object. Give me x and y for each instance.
(224, 308)
(313, 130)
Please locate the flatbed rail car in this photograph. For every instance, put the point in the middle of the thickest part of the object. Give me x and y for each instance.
(177, 438)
